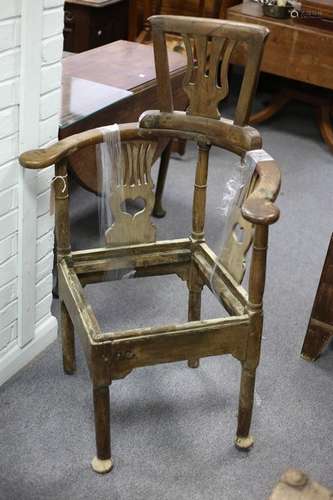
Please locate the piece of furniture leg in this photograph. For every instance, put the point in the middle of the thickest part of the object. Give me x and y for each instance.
(320, 328)
(194, 314)
(243, 439)
(162, 173)
(102, 463)
(325, 113)
(277, 103)
(68, 341)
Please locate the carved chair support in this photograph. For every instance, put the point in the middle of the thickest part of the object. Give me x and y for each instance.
(113, 355)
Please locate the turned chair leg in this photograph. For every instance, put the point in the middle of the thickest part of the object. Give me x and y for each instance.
(194, 314)
(243, 440)
(158, 210)
(102, 463)
(68, 341)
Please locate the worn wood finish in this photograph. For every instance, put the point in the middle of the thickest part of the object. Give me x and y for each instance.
(113, 355)
(320, 328)
(102, 463)
(132, 181)
(204, 88)
(208, 51)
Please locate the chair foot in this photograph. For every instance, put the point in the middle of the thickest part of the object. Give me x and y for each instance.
(101, 466)
(244, 443)
(193, 363)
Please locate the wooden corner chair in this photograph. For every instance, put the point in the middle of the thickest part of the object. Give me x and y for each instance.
(113, 355)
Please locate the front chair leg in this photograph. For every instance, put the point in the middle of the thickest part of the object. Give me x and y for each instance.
(102, 463)
(68, 341)
(243, 440)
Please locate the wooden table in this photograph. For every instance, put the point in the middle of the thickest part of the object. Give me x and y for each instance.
(297, 51)
(111, 84)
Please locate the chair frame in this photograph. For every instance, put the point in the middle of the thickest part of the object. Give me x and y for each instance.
(113, 355)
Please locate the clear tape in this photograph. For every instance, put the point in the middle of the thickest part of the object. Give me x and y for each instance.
(110, 177)
(233, 197)
(108, 155)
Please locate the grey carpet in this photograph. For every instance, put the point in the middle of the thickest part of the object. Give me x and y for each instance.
(172, 427)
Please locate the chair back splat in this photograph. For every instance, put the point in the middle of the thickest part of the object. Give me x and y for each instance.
(209, 45)
(131, 239)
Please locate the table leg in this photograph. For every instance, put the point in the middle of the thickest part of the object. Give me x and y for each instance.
(325, 113)
(164, 163)
(320, 329)
(278, 102)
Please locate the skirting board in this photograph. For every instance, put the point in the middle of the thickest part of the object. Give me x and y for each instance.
(17, 358)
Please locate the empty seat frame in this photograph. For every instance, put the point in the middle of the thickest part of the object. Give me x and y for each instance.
(131, 243)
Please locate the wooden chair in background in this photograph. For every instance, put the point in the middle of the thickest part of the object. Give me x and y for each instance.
(131, 242)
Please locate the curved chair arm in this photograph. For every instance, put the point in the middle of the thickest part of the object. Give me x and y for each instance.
(222, 133)
(45, 157)
(259, 208)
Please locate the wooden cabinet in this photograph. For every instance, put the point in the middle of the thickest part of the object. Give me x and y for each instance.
(92, 23)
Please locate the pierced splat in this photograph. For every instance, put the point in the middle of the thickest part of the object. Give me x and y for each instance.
(239, 238)
(233, 256)
(209, 47)
(132, 197)
(206, 79)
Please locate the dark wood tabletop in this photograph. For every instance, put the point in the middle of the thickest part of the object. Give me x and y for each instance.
(122, 64)
(114, 83)
(99, 79)
(294, 49)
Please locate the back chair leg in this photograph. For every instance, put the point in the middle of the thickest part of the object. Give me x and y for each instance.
(158, 210)
(194, 314)
(68, 341)
(243, 439)
(102, 463)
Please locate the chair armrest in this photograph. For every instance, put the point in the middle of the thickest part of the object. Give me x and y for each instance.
(259, 207)
(45, 157)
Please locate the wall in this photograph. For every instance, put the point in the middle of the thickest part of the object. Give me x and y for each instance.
(30, 77)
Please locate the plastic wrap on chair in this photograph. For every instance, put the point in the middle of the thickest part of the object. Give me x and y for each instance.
(237, 233)
(126, 190)
(109, 177)
(108, 170)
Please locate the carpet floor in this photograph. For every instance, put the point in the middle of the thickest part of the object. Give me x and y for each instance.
(173, 427)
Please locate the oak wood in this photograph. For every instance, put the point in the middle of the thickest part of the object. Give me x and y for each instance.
(131, 244)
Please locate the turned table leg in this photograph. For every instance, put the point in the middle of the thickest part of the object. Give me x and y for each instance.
(158, 210)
